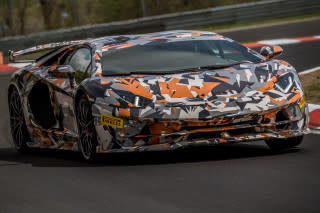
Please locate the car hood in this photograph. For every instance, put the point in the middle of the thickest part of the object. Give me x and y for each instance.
(239, 89)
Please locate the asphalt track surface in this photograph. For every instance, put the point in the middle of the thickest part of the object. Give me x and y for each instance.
(230, 178)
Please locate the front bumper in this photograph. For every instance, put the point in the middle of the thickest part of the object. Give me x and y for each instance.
(154, 134)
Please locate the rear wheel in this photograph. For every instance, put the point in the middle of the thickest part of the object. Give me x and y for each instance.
(19, 131)
(280, 144)
(87, 132)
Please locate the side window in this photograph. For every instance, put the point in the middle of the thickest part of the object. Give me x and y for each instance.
(57, 59)
(80, 62)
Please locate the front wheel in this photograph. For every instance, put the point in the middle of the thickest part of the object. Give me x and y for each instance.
(86, 129)
(19, 131)
(280, 144)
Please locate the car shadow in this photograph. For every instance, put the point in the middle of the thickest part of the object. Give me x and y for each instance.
(53, 158)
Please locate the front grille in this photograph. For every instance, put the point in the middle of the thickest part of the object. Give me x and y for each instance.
(222, 134)
(171, 131)
(204, 135)
(282, 116)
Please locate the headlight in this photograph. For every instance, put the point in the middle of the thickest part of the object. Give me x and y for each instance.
(135, 101)
(285, 82)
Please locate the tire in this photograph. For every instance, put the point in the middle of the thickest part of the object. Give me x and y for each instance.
(19, 131)
(284, 143)
(86, 129)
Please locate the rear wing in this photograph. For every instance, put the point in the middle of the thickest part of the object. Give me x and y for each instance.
(39, 48)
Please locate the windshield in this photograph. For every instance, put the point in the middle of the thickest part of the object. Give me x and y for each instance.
(157, 57)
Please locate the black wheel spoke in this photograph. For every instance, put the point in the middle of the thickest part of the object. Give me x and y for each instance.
(82, 124)
(86, 144)
(14, 107)
(16, 127)
(17, 105)
(14, 118)
(19, 137)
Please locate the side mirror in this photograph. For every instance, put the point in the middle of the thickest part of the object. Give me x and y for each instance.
(271, 51)
(63, 71)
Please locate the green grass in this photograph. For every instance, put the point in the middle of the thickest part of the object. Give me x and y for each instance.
(312, 93)
(266, 21)
(311, 87)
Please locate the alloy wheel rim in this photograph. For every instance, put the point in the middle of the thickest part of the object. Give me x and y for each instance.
(86, 134)
(16, 120)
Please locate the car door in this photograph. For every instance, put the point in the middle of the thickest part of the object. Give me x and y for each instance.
(80, 60)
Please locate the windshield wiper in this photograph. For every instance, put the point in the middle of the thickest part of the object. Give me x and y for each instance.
(153, 72)
(220, 66)
(164, 71)
(116, 74)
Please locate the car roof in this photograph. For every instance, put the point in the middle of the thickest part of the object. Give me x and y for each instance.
(150, 36)
(102, 41)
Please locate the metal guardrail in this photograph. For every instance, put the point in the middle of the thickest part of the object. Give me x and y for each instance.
(185, 20)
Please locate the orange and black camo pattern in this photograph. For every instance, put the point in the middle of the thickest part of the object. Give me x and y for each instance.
(167, 111)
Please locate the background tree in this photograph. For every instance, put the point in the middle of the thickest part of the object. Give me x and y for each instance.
(22, 7)
(9, 17)
(47, 7)
(23, 16)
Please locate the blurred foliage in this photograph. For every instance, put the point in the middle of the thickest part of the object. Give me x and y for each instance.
(32, 16)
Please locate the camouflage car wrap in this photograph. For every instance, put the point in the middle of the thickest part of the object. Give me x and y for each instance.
(135, 112)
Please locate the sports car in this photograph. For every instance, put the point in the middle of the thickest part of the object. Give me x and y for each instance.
(155, 91)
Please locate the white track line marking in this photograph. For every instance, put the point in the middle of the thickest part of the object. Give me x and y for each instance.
(308, 71)
(279, 41)
(282, 41)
